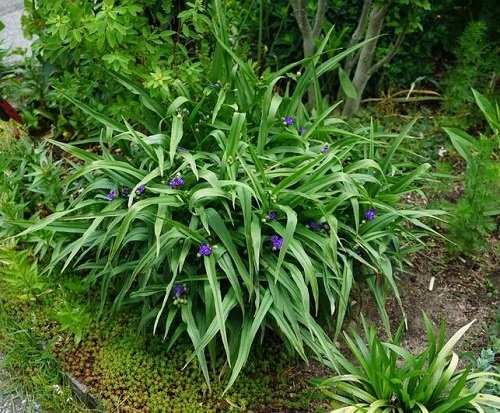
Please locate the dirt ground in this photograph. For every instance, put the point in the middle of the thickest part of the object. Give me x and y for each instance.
(464, 289)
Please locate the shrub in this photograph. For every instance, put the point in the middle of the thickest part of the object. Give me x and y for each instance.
(388, 378)
(244, 213)
(474, 214)
(477, 62)
(154, 43)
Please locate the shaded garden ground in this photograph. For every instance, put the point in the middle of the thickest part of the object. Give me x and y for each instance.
(464, 289)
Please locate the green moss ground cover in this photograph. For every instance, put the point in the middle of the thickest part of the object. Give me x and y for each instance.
(128, 371)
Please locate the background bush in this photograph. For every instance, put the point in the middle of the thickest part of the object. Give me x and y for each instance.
(158, 44)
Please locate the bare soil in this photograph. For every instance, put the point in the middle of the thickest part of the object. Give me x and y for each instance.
(464, 289)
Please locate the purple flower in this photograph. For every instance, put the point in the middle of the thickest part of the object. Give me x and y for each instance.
(313, 225)
(125, 191)
(178, 290)
(176, 182)
(301, 131)
(272, 215)
(110, 195)
(325, 149)
(140, 190)
(288, 121)
(276, 241)
(204, 250)
(370, 214)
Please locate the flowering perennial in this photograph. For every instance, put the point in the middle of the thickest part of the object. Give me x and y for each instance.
(370, 214)
(272, 215)
(276, 241)
(313, 225)
(204, 250)
(176, 182)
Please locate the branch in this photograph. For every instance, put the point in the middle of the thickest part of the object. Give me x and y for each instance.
(390, 54)
(300, 13)
(357, 36)
(320, 15)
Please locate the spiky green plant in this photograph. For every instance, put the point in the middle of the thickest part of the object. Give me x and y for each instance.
(388, 378)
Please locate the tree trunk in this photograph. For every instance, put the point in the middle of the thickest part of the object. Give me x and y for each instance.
(309, 33)
(356, 37)
(363, 73)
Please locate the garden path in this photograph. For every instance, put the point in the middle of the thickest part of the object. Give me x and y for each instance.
(12, 401)
(10, 15)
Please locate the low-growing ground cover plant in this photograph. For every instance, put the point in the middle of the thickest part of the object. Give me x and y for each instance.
(244, 213)
(388, 378)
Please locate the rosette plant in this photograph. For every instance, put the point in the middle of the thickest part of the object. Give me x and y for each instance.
(388, 378)
(233, 220)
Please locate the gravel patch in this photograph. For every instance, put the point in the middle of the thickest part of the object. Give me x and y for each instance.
(13, 401)
(12, 35)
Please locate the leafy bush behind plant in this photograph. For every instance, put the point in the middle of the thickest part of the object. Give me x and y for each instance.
(152, 42)
(388, 378)
(244, 213)
(477, 63)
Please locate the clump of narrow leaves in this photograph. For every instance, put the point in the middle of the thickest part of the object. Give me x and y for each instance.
(231, 221)
(388, 378)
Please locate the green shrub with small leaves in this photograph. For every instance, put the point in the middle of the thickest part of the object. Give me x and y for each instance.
(21, 273)
(30, 179)
(474, 215)
(244, 213)
(477, 63)
(158, 44)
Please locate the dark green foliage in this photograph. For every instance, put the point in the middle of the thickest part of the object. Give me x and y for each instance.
(474, 214)
(478, 60)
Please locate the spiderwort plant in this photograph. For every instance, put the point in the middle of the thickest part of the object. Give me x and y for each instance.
(244, 174)
(276, 242)
(272, 215)
(204, 250)
(177, 182)
(370, 214)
